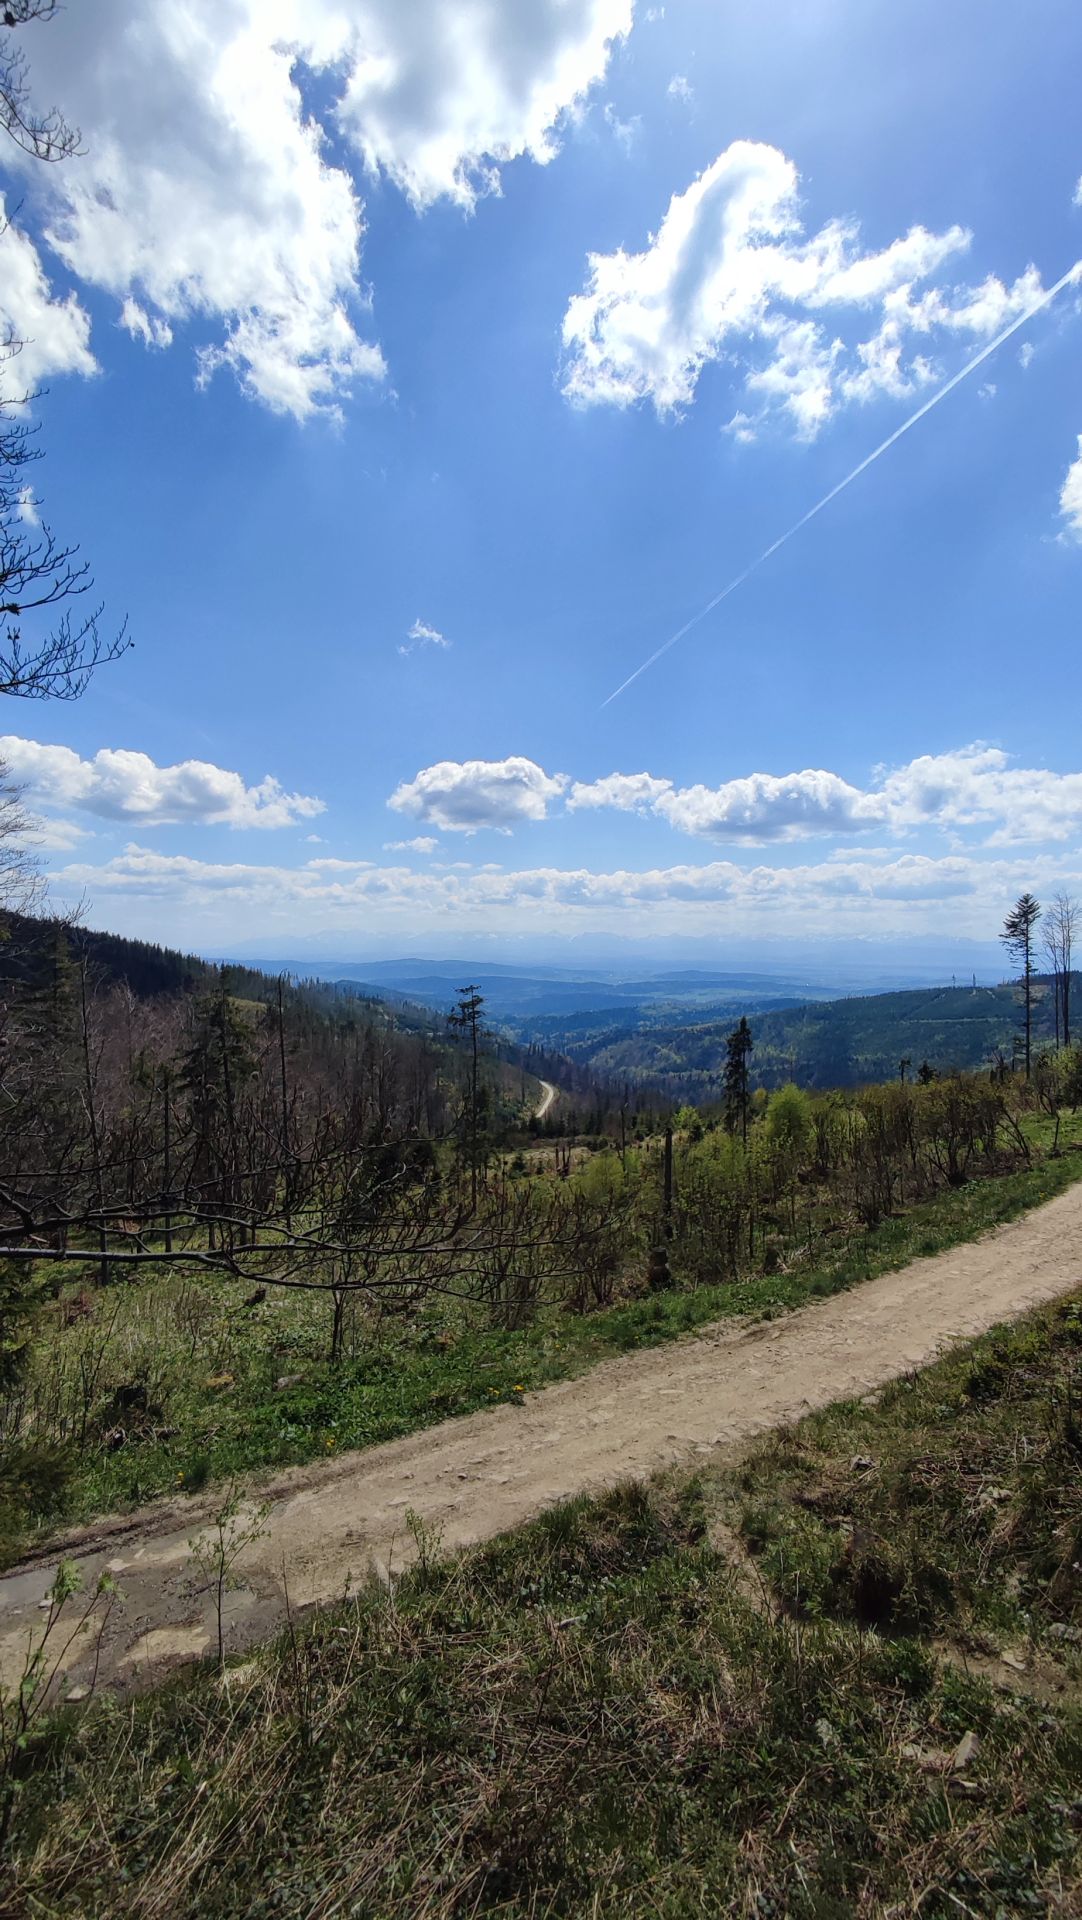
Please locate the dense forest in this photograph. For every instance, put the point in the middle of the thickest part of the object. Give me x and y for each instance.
(840, 1043)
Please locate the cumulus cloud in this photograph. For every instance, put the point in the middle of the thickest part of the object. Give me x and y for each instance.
(975, 787)
(757, 808)
(439, 98)
(731, 272)
(206, 198)
(54, 331)
(1070, 499)
(770, 807)
(119, 785)
(422, 843)
(462, 795)
(629, 792)
(958, 893)
(422, 635)
(978, 787)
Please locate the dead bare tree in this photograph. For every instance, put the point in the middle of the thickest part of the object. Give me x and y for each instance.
(41, 136)
(37, 572)
(1060, 924)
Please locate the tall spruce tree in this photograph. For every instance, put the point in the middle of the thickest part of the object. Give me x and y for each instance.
(467, 1017)
(738, 1048)
(1019, 933)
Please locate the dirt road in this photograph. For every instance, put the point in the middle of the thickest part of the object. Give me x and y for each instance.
(548, 1095)
(475, 1477)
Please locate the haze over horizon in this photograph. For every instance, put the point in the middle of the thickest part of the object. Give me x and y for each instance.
(825, 962)
(430, 380)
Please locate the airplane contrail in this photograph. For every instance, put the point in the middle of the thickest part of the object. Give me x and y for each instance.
(1073, 273)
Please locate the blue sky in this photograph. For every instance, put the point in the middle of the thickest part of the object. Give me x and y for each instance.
(522, 329)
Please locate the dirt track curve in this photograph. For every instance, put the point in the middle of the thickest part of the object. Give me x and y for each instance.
(547, 1097)
(475, 1477)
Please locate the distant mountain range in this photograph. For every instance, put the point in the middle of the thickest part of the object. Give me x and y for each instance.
(521, 996)
(860, 965)
(518, 998)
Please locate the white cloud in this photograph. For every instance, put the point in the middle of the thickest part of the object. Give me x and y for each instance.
(770, 807)
(439, 98)
(760, 807)
(680, 88)
(1070, 499)
(972, 788)
(27, 508)
(1076, 197)
(56, 836)
(206, 197)
(423, 843)
(422, 635)
(55, 333)
(1025, 355)
(119, 785)
(958, 894)
(732, 273)
(461, 796)
(624, 132)
(976, 786)
(142, 326)
(743, 429)
(629, 792)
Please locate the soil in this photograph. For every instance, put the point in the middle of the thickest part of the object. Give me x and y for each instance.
(332, 1524)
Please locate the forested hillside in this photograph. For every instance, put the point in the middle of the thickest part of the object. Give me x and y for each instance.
(161, 1105)
(823, 1044)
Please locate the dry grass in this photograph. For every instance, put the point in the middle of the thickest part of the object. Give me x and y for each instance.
(590, 1717)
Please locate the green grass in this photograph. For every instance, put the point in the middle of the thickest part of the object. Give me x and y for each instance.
(602, 1715)
(953, 1505)
(211, 1368)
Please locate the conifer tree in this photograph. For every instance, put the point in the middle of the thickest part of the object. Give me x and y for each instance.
(467, 1017)
(1019, 932)
(738, 1048)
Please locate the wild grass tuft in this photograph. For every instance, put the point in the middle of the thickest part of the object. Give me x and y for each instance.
(603, 1713)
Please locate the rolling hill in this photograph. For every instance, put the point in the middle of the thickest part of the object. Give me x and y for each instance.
(819, 1044)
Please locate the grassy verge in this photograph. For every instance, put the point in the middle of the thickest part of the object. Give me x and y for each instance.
(600, 1715)
(245, 1390)
(951, 1507)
